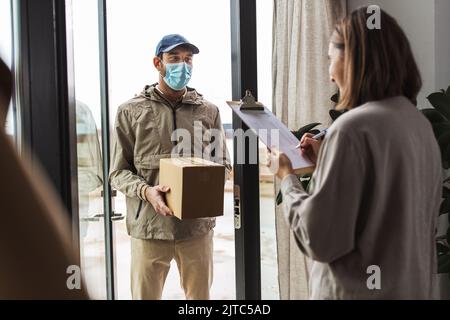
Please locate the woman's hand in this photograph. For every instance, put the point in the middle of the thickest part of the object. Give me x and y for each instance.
(310, 147)
(279, 164)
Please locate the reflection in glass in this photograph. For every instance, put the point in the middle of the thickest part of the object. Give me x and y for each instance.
(88, 125)
(90, 169)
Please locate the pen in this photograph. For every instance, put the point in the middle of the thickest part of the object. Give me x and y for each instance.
(316, 137)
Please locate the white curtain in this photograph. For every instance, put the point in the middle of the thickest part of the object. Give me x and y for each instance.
(302, 93)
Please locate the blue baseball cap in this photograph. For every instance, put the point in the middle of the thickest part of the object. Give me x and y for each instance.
(171, 41)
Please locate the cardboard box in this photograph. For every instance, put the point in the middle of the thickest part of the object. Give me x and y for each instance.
(196, 187)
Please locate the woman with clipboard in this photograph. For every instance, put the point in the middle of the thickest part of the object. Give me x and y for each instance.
(369, 218)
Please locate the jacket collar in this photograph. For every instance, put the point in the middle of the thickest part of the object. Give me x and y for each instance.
(191, 97)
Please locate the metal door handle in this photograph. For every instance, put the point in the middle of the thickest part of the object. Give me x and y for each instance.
(117, 217)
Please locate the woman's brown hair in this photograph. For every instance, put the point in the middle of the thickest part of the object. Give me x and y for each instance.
(378, 63)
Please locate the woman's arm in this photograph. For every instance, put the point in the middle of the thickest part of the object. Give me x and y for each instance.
(324, 222)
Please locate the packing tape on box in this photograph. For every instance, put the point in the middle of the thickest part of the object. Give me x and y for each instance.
(195, 162)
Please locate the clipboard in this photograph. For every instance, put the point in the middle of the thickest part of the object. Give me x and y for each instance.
(258, 117)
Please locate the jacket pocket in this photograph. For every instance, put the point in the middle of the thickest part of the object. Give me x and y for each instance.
(138, 213)
(148, 167)
(147, 131)
(149, 162)
(145, 118)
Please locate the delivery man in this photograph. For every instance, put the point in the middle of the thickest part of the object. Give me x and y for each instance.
(144, 131)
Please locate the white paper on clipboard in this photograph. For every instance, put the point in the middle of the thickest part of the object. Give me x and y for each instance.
(265, 120)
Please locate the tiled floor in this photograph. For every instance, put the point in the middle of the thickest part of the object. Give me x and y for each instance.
(224, 262)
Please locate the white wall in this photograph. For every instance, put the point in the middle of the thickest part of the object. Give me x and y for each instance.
(427, 24)
(442, 44)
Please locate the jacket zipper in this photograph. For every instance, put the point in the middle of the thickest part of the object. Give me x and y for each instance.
(174, 117)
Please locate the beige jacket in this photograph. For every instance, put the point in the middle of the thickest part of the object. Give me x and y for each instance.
(143, 132)
(374, 201)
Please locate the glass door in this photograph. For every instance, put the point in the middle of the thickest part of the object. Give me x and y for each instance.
(113, 61)
(134, 29)
(86, 55)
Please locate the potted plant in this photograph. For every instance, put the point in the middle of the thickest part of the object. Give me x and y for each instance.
(439, 116)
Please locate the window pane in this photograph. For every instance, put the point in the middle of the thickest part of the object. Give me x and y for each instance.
(90, 167)
(134, 29)
(6, 51)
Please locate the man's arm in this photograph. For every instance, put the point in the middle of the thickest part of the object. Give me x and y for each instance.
(123, 175)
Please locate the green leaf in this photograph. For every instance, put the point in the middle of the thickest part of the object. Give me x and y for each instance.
(305, 180)
(306, 129)
(444, 145)
(433, 116)
(446, 192)
(440, 128)
(442, 249)
(445, 207)
(444, 263)
(444, 141)
(335, 114)
(279, 198)
(309, 127)
(446, 158)
(336, 97)
(441, 103)
(448, 92)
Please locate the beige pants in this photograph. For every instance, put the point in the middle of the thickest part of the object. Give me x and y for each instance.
(150, 264)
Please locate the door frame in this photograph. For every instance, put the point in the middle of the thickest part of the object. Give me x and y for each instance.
(246, 176)
(46, 53)
(106, 149)
(45, 91)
